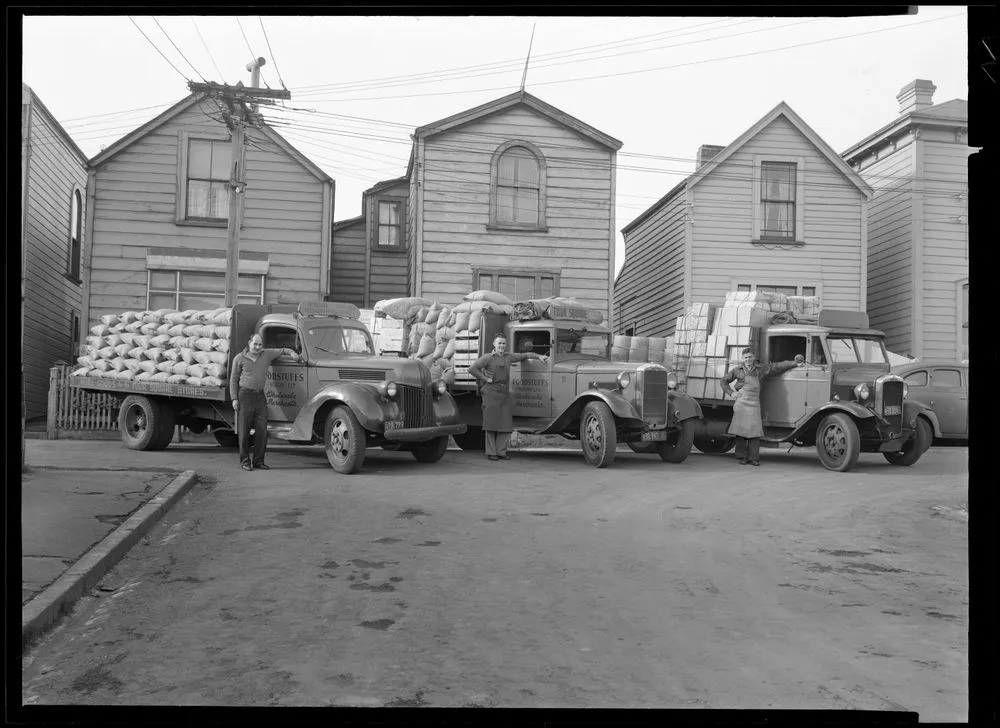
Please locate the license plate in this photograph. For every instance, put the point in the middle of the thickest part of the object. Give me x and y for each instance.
(393, 425)
(654, 435)
(893, 409)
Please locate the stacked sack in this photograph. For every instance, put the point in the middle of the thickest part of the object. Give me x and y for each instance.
(175, 347)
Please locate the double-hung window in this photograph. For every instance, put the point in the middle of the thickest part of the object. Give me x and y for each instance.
(778, 200)
(207, 181)
(389, 231)
(517, 194)
(75, 236)
(182, 290)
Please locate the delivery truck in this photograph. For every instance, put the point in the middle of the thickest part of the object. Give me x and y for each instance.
(338, 392)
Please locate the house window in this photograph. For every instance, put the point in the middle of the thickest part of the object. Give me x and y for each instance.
(182, 290)
(777, 198)
(788, 290)
(75, 236)
(517, 285)
(208, 178)
(389, 225)
(518, 187)
(74, 335)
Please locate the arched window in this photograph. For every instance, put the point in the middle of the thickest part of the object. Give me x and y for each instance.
(75, 236)
(518, 187)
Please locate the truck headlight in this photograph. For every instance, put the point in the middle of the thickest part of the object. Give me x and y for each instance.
(862, 392)
(387, 389)
(439, 387)
(906, 390)
(624, 379)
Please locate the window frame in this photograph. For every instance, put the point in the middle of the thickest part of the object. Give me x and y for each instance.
(74, 252)
(376, 224)
(74, 335)
(962, 317)
(495, 223)
(184, 138)
(538, 275)
(926, 381)
(800, 174)
(934, 375)
(736, 284)
(177, 292)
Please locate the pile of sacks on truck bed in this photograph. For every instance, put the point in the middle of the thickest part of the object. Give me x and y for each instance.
(176, 347)
(446, 337)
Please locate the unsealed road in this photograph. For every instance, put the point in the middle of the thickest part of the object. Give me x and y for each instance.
(538, 582)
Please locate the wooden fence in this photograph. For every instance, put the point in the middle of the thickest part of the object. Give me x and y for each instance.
(75, 413)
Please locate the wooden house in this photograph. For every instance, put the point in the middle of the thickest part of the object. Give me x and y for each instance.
(776, 209)
(160, 216)
(370, 251)
(918, 253)
(514, 195)
(54, 211)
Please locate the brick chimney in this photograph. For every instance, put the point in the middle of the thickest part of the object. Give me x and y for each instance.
(705, 154)
(915, 96)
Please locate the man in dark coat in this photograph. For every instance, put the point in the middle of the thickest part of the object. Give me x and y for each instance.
(492, 371)
(246, 385)
(746, 424)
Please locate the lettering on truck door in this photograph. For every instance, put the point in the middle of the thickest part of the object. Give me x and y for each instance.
(531, 380)
(286, 380)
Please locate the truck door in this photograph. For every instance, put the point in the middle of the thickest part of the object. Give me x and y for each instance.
(286, 380)
(531, 380)
(949, 400)
(783, 396)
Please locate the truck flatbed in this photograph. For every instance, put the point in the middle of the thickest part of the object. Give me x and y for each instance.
(157, 388)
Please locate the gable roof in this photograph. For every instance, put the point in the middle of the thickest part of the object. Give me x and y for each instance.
(655, 206)
(385, 184)
(784, 110)
(33, 99)
(179, 108)
(518, 98)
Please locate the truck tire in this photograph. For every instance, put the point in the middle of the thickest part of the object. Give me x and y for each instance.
(914, 447)
(472, 439)
(643, 448)
(227, 439)
(165, 427)
(344, 440)
(597, 434)
(678, 444)
(714, 445)
(838, 442)
(139, 422)
(430, 451)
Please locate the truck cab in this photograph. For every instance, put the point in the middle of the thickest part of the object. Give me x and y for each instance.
(580, 393)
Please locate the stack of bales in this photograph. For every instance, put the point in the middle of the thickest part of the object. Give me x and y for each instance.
(654, 349)
(174, 347)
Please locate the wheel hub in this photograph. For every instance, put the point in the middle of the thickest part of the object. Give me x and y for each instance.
(835, 442)
(593, 433)
(339, 439)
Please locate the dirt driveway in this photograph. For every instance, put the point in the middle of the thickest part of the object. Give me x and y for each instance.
(538, 582)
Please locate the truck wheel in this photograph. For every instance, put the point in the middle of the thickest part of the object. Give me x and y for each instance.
(139, 423)
(714, 445)
(164, 428)
(597, 434)
(678, 444)
(914, 447)
(643, 448)
(344, 440)
(227, 439)
(472, 439)
(430, 451)
(838, 442)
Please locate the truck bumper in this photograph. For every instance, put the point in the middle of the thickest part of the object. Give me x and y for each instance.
(420, 434)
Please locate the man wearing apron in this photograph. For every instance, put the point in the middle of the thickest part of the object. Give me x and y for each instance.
(492, 371)
(746, 424)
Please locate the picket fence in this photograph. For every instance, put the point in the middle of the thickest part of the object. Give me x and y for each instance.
(75, 413)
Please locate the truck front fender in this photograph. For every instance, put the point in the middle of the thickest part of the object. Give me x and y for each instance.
(685, 407)
(913, 409)
(446, 410)
(620, 407)
(365, 402)
(851, 408)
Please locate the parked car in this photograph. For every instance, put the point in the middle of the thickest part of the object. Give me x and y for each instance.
(944, 387)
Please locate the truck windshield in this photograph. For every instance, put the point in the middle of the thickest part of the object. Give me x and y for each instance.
(857, 349)
(339, 340)
(577, 343)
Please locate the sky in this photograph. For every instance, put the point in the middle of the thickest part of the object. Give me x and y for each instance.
(360, 85)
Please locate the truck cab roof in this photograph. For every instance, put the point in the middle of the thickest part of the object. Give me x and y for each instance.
(791, 329)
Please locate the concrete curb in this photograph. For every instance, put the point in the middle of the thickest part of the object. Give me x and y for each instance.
(42, 612)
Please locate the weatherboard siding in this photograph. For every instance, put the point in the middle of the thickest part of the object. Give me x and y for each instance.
(136, 208)
(54, 171)
(649, 293)
(722, 227)
(347, 271)
(388, 270)
(455, 206)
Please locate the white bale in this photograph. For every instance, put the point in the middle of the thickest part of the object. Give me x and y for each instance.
(163, 329)
(192, 330)
(143, 340)
(218, 357)
(147, 366)
(223, 332)
(136, 352)
(149, 329)
(106, 352)
(426, 346)
(162, 341)
(203, 357)
(187, 355)
(159, 377)
(176, 330)
(110, 319)
(117, 363)
(212, 381)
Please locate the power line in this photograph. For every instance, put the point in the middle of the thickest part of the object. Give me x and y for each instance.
(157, 49)
(211, 57)
(196, 71)
(273, 59)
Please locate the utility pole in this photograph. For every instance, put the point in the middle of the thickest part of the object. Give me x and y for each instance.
(240, 109)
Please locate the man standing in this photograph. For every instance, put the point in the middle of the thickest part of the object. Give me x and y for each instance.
(492, 371)
(746, 424)
(246, 384)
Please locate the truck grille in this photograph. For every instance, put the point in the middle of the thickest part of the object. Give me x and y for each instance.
(889, 401)
(654, 394)
(367, 375)
(416, 404)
